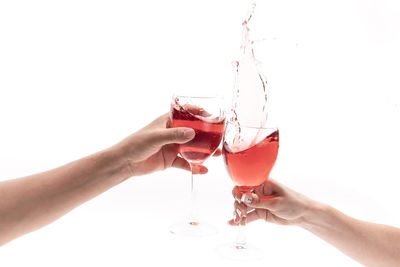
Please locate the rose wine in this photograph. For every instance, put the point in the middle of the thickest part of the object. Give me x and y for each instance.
(251, 167)
(208, 130)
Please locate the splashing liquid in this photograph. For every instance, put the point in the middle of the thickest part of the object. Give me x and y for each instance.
(249, 106)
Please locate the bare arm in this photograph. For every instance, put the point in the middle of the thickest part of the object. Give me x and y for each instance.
(29, 203)
(368, 243)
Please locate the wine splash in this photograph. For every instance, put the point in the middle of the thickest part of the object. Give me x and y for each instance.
(249, 102)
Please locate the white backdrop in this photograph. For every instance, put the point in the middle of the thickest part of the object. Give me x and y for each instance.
(77, 76)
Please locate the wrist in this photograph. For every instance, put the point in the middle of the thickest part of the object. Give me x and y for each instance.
(118, 162)
(316, 215)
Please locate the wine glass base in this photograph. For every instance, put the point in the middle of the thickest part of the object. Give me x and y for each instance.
(195, 229)
(236, 252)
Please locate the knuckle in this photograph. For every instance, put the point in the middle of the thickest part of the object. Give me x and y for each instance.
(234, 191)
(266, 216)
(176, 134)
(273, 203)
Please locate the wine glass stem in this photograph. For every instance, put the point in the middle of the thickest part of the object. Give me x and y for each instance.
(193, 219)
(240, 242)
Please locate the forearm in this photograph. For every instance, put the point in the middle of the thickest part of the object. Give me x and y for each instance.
(29, 203)
(368, 243)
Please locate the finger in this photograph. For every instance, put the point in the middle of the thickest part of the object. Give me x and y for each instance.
(255, 215)
(195, 110)
(236, 217)
(261, 202)
(252, 216)
(233, 223)
(168, 123)
(178, 135)
(240, 209)
(274, 186)
(236, 193)
(181, 163)
(160, 122)
(217, 153)
(265, 189)
(199, 169)
(270, 187)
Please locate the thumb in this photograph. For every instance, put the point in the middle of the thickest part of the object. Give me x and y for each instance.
(260, 202)
(178, 135)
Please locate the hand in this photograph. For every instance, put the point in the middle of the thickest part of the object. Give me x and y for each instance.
(153, 148)
(271, 202)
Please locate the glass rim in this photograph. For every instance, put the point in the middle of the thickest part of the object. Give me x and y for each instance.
(255, 127)
(198, 97)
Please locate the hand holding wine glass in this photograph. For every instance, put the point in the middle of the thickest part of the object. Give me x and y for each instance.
(153, 148)
(272, 202)
(36, 200)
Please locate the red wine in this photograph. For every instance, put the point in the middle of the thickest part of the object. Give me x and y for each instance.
(208, 132)
(251, 167)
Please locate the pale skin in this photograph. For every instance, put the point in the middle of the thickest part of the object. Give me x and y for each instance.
(370, 244)
(31, 202)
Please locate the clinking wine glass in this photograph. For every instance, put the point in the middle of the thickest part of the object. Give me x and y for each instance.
(206, 116)
(249, 154)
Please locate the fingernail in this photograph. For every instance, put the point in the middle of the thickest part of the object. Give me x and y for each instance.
(239, 212)
(247, 199)
(188, 133)
(203, 170)
(196, 169)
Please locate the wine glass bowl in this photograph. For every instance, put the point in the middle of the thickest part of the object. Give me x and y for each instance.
(249, 153)
(206, 117)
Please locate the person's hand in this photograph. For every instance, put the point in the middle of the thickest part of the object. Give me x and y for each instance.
(271, 202)
(153, 148)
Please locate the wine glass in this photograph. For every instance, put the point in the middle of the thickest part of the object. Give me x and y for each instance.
(207, 117)
(249, 154)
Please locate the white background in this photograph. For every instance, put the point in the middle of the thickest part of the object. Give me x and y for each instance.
(77, 76)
